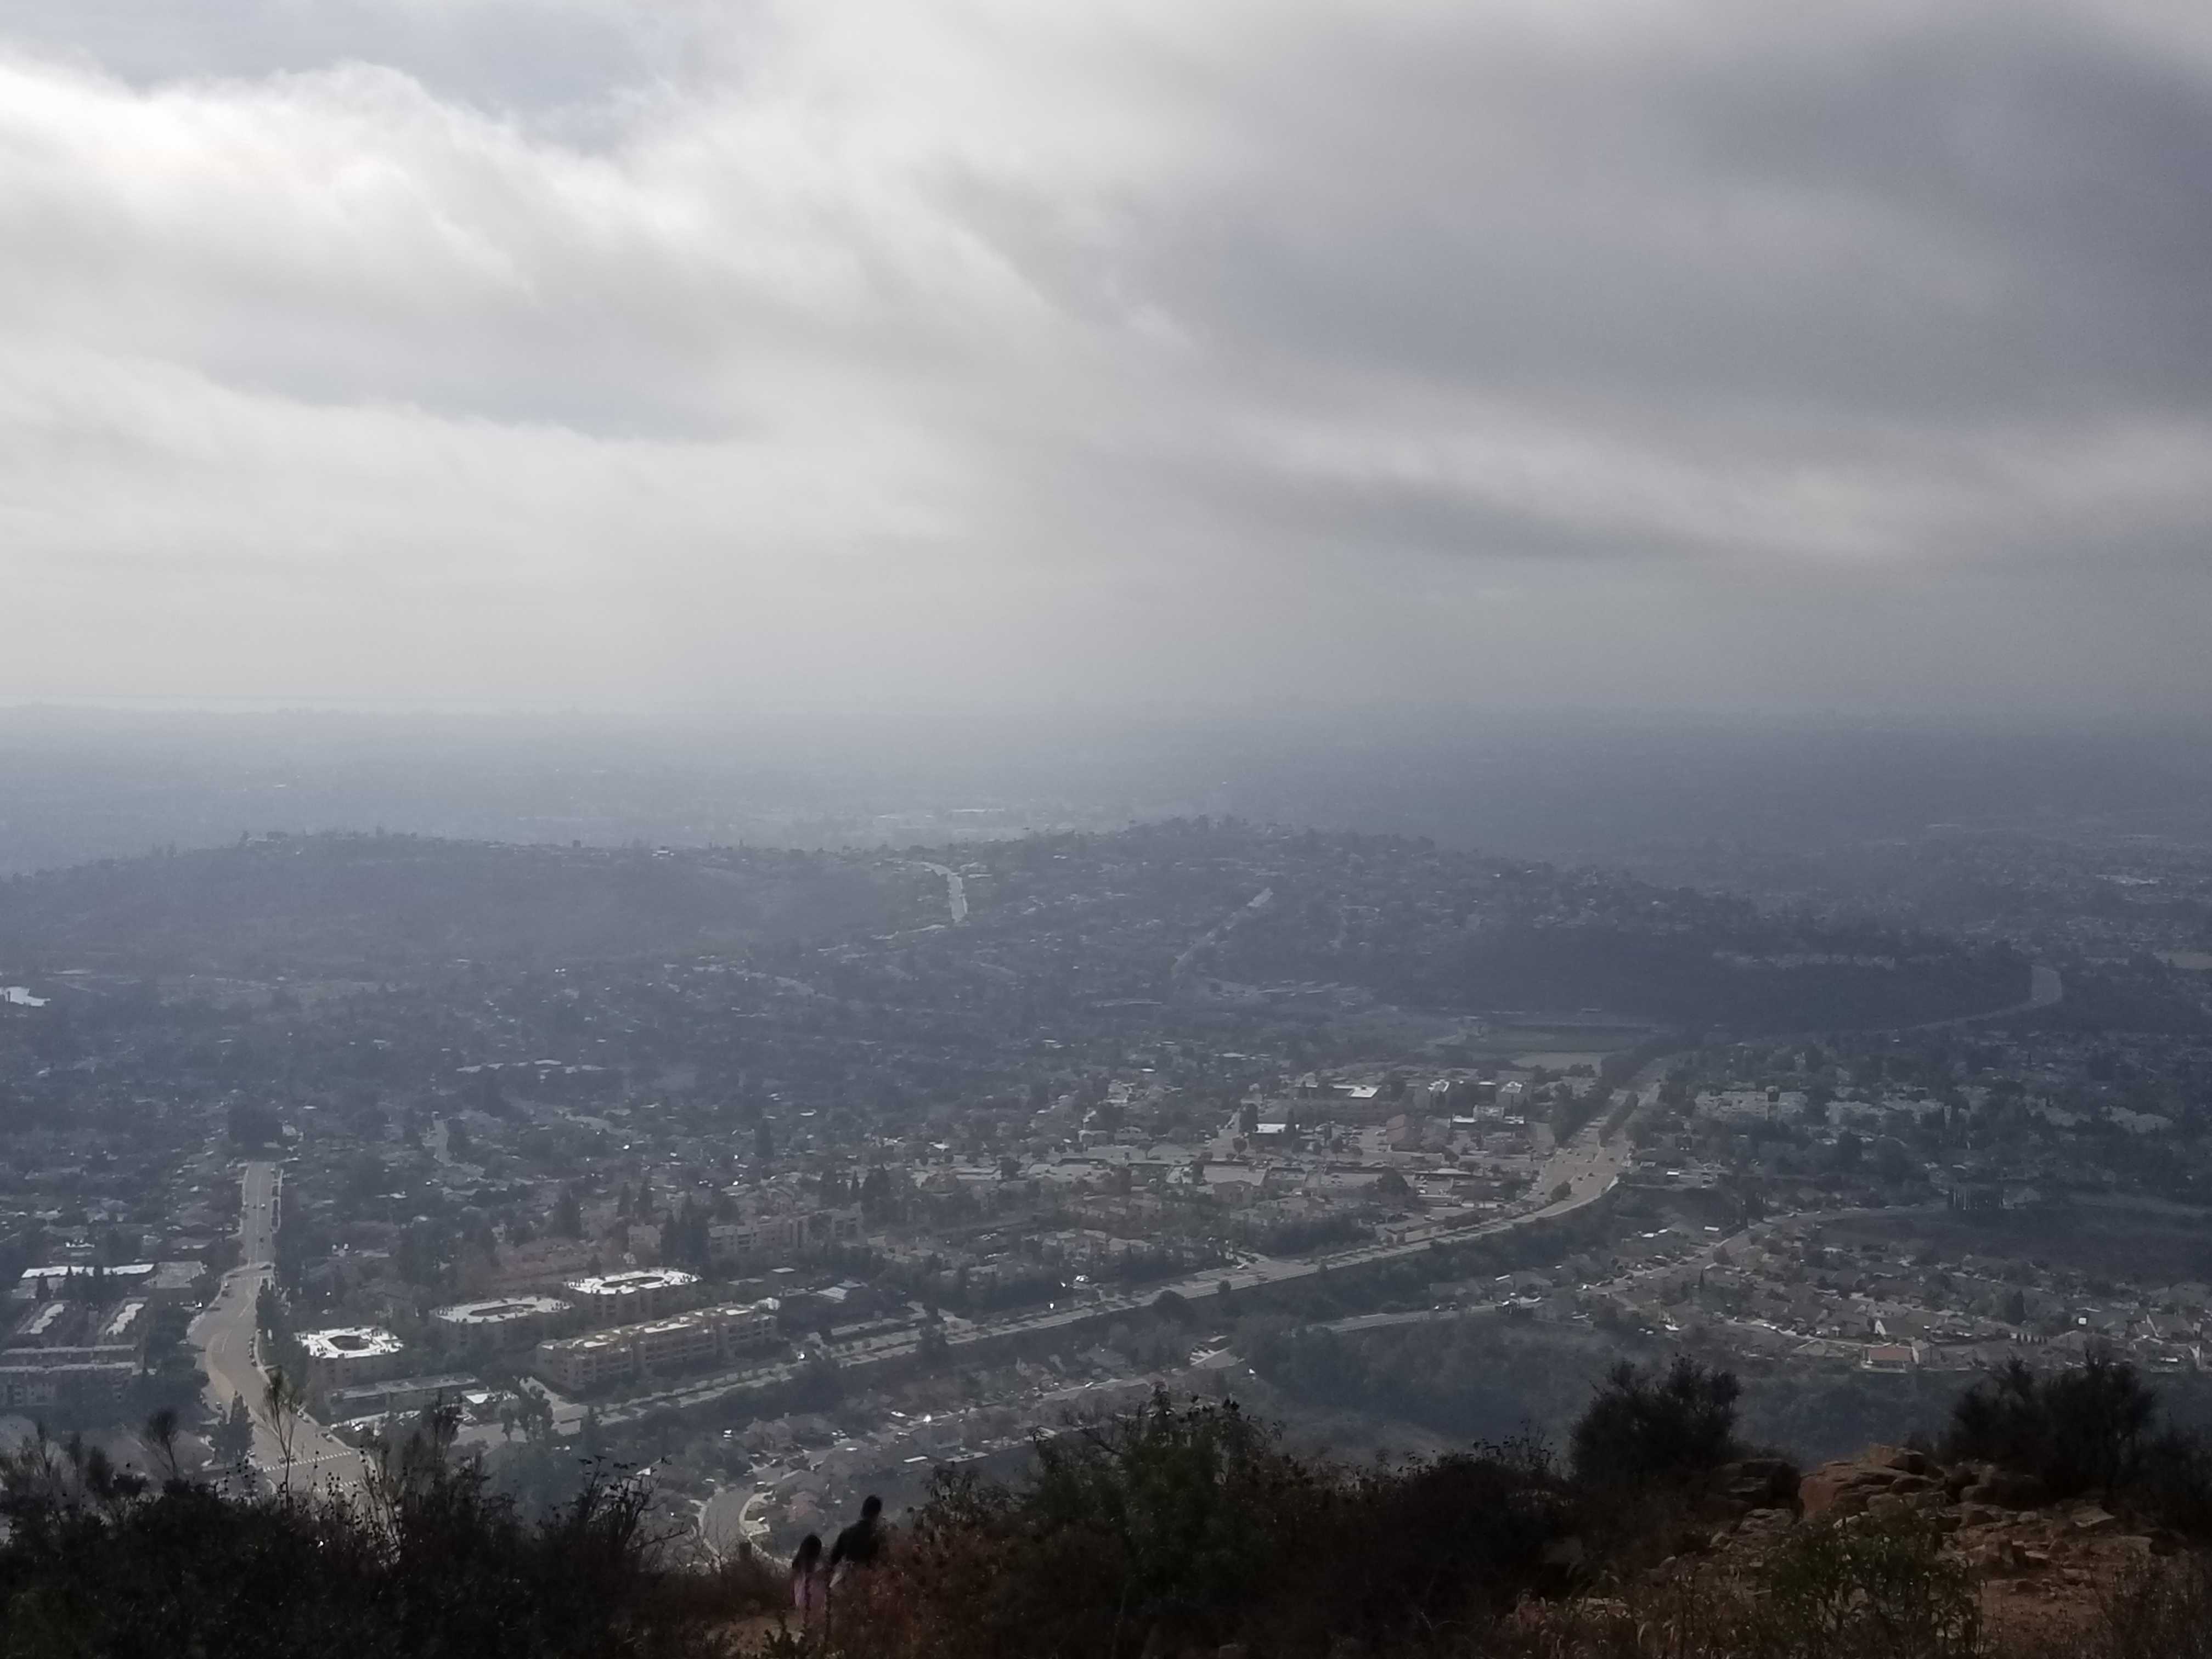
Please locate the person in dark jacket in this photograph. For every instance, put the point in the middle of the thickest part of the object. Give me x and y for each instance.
(855, 1551)
(859, 1544)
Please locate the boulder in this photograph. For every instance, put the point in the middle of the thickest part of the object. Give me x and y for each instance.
(2093, 1522)
(1830, 1492)
(1761, 1482)
(2007, 1489)
(1960, 1476)
(1765, 1526)
(1903, 1459)
(1843, 1488)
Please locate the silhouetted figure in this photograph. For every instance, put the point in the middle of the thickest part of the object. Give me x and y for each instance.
(810, 1582)
(855, 1551)
(858, 1545)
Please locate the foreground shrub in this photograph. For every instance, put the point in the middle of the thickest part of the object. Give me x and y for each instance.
(2163, 1612)
(1646, 1426)
(2094, 1427)
(428, 1562)
(1861, 1589)
(1180, 1527)
(2077, 1430)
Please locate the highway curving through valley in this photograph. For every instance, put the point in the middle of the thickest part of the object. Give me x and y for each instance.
(229, 1345)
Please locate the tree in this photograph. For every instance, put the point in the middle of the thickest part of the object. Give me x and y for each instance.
(568, 1215)
(268, 1312)
(160, 1434)
(2088, 1428)
(285, 1407)
(96, 1560)
(251, 1123)
(1645, 1425)
(821, 1381)
(233, 1434)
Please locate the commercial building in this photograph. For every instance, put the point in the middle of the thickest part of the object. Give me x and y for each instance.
(58, 1280)
(505, 1322)
(402, 1394)
(161, 1281)
(639, 1294)
(66, 1378)
(687, 1341)
(777, 1237)
(348, 1355)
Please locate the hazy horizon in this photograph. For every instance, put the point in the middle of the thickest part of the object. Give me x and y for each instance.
(77, 784)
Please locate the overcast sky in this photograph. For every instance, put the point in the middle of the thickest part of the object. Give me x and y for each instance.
(929, 353)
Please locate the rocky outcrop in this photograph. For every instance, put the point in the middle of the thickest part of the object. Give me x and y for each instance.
(1885, 1478)
(2043, 1567)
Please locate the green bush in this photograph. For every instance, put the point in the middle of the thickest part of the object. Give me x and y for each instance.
(2081, 1429)
(1861, 1589)
(1183, 1526)
(2095, 1427)
(2162, 1612)
(1648, 1426)
(428, 1562)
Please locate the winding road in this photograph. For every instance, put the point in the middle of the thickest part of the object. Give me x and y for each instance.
(229, 1345)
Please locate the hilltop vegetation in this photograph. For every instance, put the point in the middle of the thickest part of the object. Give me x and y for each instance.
(1182, 1528)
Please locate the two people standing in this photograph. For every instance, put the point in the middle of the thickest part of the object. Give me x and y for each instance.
(814, 1578)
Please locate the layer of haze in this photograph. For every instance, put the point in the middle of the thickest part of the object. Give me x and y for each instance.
(945, 354)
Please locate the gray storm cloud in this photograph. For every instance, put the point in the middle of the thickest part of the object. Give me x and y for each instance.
(1660, 353)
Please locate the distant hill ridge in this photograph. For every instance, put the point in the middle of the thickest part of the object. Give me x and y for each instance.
(1402, 921)
(361, 903)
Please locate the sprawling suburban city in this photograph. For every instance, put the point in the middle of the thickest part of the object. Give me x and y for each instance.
(791, 1175)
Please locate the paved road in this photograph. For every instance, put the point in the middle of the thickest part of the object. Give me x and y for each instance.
(955, 891)
(1588, 1166)
(2045, 987)
(1252, 907)
(229, 1345)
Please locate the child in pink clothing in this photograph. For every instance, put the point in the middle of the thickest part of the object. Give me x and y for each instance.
(810, 1583)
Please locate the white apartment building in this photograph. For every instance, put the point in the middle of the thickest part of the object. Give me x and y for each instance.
(347, 1355)
(639, 1294)
(688, 1341)
(505, 1322)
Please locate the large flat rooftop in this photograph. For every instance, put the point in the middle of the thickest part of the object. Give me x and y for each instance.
(634, 1283)
(350, 1342)
(500, 1311)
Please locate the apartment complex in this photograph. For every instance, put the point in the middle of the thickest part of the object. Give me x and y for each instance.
(779, 1236)
(641, 1293)
(31, 1378)
(504, 1321)
(687, 1341)
(347, 1356)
